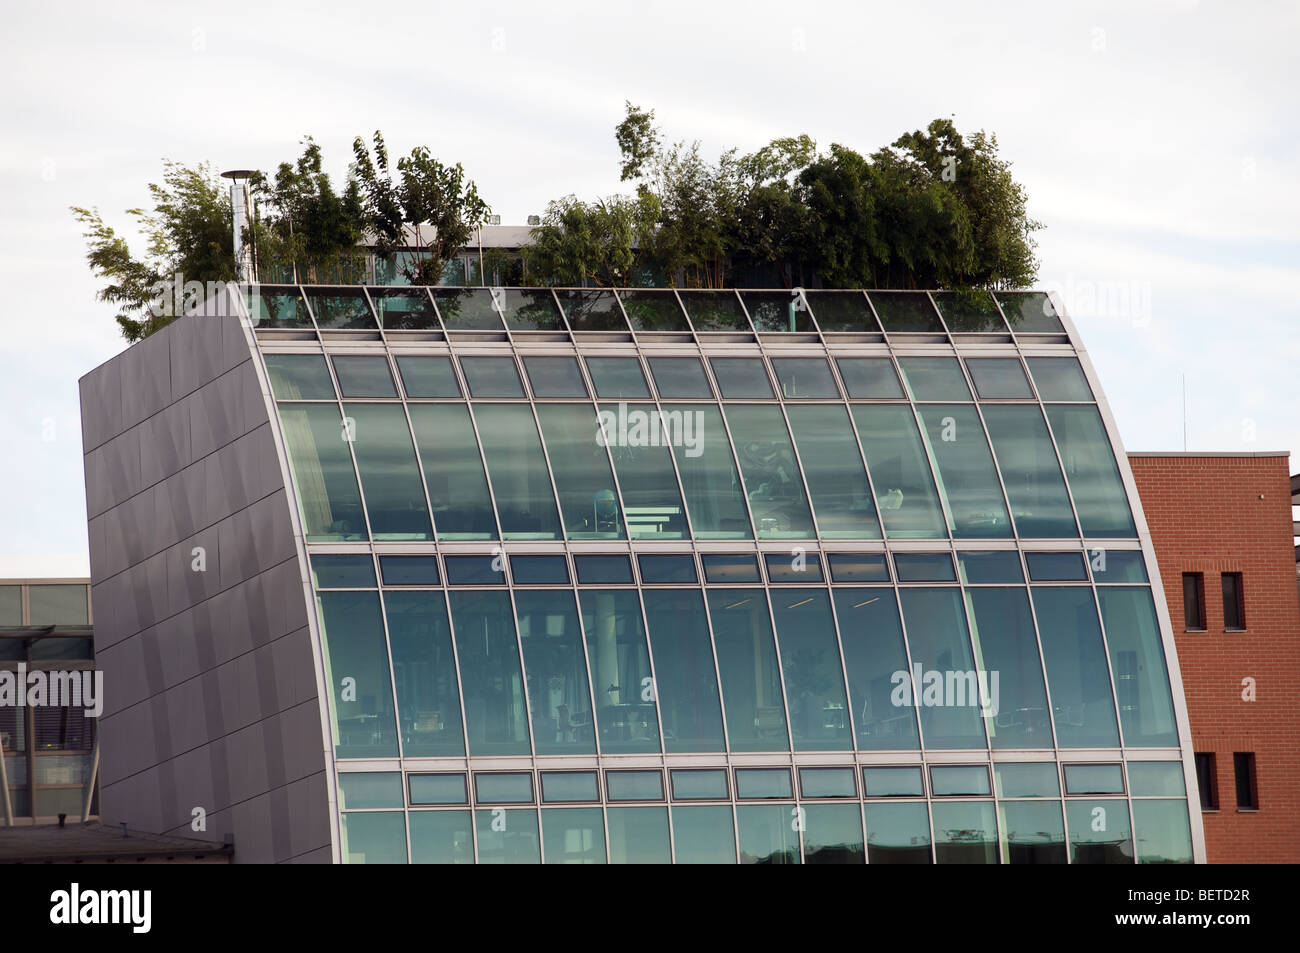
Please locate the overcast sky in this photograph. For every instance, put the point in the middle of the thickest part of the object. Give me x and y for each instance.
(1157, 140)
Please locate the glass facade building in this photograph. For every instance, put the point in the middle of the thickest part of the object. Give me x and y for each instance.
(627, 576)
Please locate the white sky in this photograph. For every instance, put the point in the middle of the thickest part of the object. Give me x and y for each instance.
(1157, 141)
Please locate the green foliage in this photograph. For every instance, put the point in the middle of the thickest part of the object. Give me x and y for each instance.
(606, 242)
(638, 141)
(430, 207)
(188, 239)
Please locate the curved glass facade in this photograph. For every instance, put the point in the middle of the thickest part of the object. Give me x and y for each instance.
(660, 576)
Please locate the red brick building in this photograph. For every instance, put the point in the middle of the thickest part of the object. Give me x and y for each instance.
(1222, 529)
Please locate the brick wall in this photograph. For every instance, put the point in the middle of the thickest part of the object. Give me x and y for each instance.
(1233, 514)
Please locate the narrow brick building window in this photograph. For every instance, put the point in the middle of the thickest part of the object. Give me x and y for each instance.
(1194, 601)
(1243, 766)
(1207, 781)
(1234, 606)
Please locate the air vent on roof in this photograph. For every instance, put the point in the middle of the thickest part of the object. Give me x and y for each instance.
(494, 220)
(534, 220)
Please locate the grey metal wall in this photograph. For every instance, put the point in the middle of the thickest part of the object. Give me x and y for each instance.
(211, 697)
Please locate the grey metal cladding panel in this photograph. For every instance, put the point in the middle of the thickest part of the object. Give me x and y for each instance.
(301, 741)
(293, 668)
(107, 548)
(101, 404)
(320, 855)
(146, 379)
(254, 823)
(98, 493)
(272, 531)
(250, 762)
(197, 353)
(149, 589)
(125, 679)
(175, 643)
(251, 465)
(164, 444)
(187, 586)
(127, 742)
(117, 475)
(235, 346)
(192, 784)
(135, 800)
(232, 624)
(286, 605)
(135, 524)
(189, 712)
(309, 821)
(216, 415)
(110, 626)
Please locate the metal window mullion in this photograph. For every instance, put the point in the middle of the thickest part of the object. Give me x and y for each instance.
(907, 649)
(523, 674)
(717, 675)
(487, 475)
(1042, 661)
(550, 473)
(392, 671)
(844, 672)
(803, 475)
(460, 679)
(740, 473)
(586, 661)
(1110, 669)
(936, 480)
(780, 668)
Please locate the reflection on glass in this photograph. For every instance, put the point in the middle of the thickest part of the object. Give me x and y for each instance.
(832, 834)
(428, 377)
(758, 783)
(492, 377)
(370, 789)
(1030, 312)
(1083, 707)
(804, 377)
(653, 310)
(814, 677)
(618, 377)
(893, 782)
(362, 710)
(870, 378)
(777, 311)
(898, 833)
(1054, 567)
(635, 785)
(334, 571)
(965, 832)
(340, 308)
(401, 310)
(768, 833)
(1099, 831)
(680, 377)
(969, 311)
(638, 445)
(741, 377)
(453, 471)
(703, 834)
(277, 307)
(529, 309)
(964, 470)
(491, 682)
(507, 836)
(328, 498)
(1164, 835)
(468, 309)
(1120, 565)
(1033, 832)
(1137, 661)
(591, 310)
(620, 671)
(374, 838)
(555, 377)
(639, 835)
(299, 377)
(1030, 779)
(558, 786)
(948, 697)
(906, 311)
(832, 465)
(873, 651)
(686, 684)
(441, 837)
(730, 567)
(1002, 630)
(1090, 468)
(772, 478)
(409, 570)
(1040, 505)
(556, 670)
(714, 310)
(1059, 378)
(1156, 778)
(909, 506)
(390, 476)
(841, 311)
(517, 469)
(580, 466)
(364, 376)
(667, 569)
(573, 835)
(428, 698)
(751, 680)
(999, 378)
(934, 378)
(714, 496)
(993, 566)
(595, 570)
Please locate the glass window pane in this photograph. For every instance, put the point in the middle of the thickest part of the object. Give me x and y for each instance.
(468, 309)
(774, 486)
(714, 310)
(741, 377)
(374, 838)
(503, 788)
(678, 377)
(898, 833)
(858, 567)
(1083, 707)
(507, 837)
(1049, 567)
(893, 782)
(947, 780)
(827, 782)
(924, 567)
(635, 785)
(620, 669)
(356, 663)
(1118, 565)
(428, 698)
(340, 308)
(763, 783)
(714, 497)
(1137, 661)
(948, 705)
(909, 506)
(667, 569)
(777, 311)
(618, 377)
(326, 484)
(999, 378)
(453, 471)
(965, 832)
(1030, 312)
(555, 377)
(1164, 835)
(832, 465)
(653, 310)
(751, 680)
(404, 311)
(491, 680)
(271, 307)
(1094, 779)
(832, 834)
(799, 567)
(639, 835)
(521, 482)
(1159, 778)
(441, 837)
(1006, 653)
(869, 378)
(1040, 505)
(342, 571)
(370, 789)
(1090, 468)
(652, 503)
(998, 566)
(390, 475)
(703, 834)
(969, 311)
(906, 311)
(685, 685)
(1099, 832)
(768, 833)
(474, 571)
(692, 785)
(299, 377)
(569, 786)
(873, 653)
(580, 465)
(1031, 779)
(363, 376)
(591, 310)
(527, 309)
(964, 471)
(539, 570)
(556, 668)
(726, 567)
(1059, 378)
(409, 570)
(814, 677)
(602, 570)
(428, 377)
(11, 605)
(573, 835)
(438, 789)
(1033, 832)
(492, 377)
(804, 377)
(841, 311)
(934, 378)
